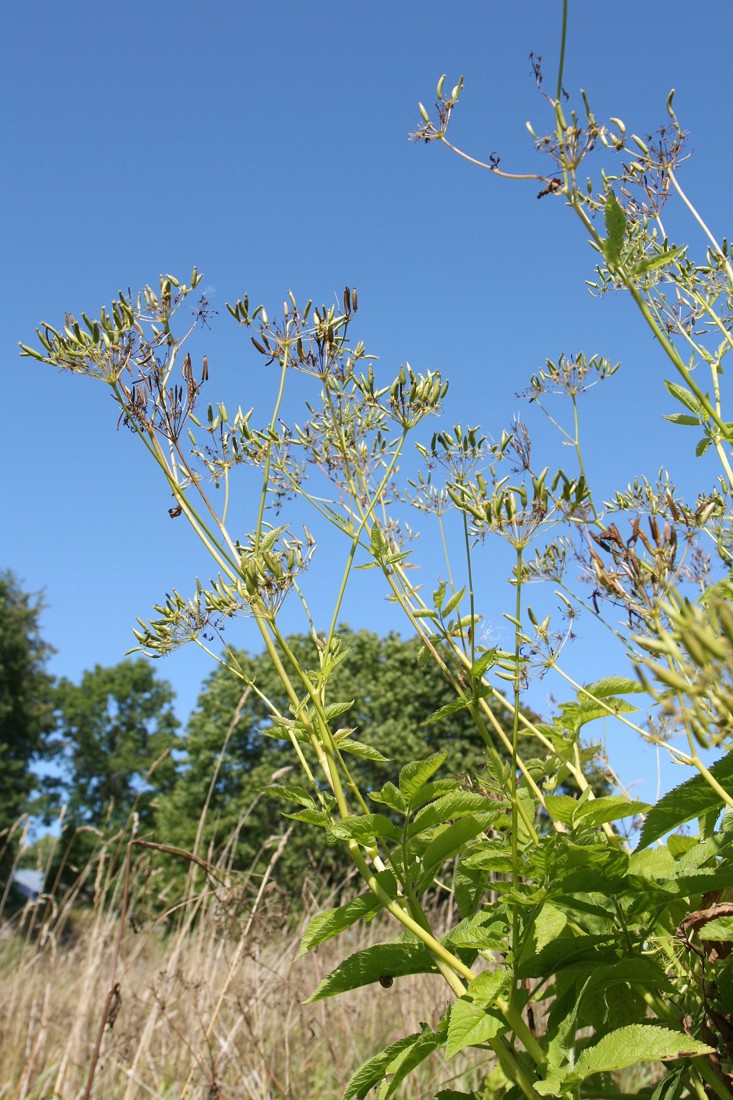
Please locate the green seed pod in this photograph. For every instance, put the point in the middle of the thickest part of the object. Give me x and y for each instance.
(668, 676)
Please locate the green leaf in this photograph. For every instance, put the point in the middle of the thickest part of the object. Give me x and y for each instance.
(450, 806)
(597, 811)
(702, 446)
(484, 662)
(371, 1072)
(613, 685)
(365, 827)
(366, 967)
(561, 807)
(405, 1061)
(415, 774)
(567, 950)
(628, 1046)
(311, 817)
(446, 711)
(451, 840)
(481, 932)
(471, 1024)
(298, 795)
(683, 418)
(358, 748)
(390, 796)
(719, 929)
(615, 228)
(334, 710)
(489, 855)
(651, 263)
(324, 926)
(684, 396)
(691, 799)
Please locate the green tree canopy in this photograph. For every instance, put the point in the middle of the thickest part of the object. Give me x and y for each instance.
(231, 754)
(117, 734)
(26, 710)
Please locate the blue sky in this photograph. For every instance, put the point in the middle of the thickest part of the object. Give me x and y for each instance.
(268, 145)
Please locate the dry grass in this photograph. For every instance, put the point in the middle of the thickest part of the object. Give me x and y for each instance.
(209, 1004)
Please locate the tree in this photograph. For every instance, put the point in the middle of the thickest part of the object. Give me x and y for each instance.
(117, 735)
(230, 751)
(26, 710)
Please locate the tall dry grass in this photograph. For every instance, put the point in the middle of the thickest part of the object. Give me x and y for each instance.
(203, 1001)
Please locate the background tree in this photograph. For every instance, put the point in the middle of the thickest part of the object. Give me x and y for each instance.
(230, 757)
(116, 739)
(26, 710)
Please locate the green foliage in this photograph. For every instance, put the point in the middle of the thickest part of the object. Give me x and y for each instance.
(114, 751)
(26, 709)
(233, 747)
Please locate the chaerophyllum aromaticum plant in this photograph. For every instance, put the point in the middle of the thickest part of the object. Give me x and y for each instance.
(573, 958)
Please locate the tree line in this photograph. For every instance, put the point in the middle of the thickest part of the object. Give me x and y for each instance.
(108, 757)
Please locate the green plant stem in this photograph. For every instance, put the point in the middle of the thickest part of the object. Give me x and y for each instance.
(366, 517)
(696, 215)
(561, 62)
(515, 755)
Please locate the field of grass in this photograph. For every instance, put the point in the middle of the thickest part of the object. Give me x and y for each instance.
(205, 1003)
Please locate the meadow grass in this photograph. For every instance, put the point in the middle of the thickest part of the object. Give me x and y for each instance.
(203, 1001)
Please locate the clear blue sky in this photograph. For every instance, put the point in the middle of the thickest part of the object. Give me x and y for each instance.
(268, 145)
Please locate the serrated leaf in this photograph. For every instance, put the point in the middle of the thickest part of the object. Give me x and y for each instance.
(561, 807)
(691, 799)
(365, 827)
(439, 595)
(449, 806)
(366, 967)
(359, 748)
(702, 446)
(548, 925)
(455, 705)
(481, 932)
(651, 263)
(415, 774)
(332, 922)
(451, 840)
(615, 228)
(333, 710)
(719, 929)
(298, 795)
(470, 1025)
(684, 396)
(311, 817)
(567, 951)
(613, 685)
(628, 1046)
(491, 855)
(598, 811)
(406, 1060)
(484, 662)
(390, 796)
(683, 418)
(371, 1072)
